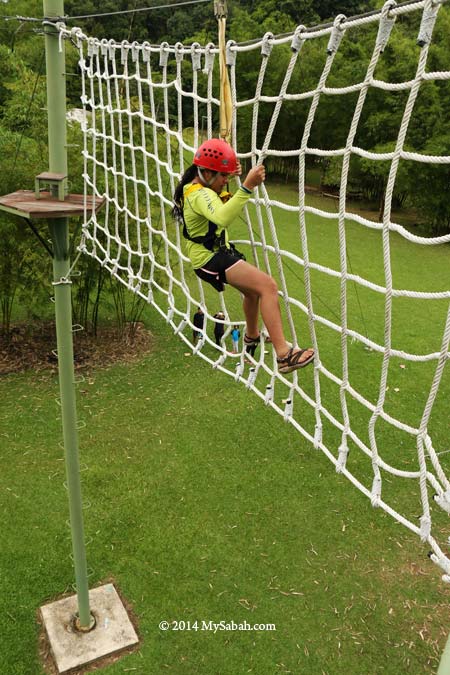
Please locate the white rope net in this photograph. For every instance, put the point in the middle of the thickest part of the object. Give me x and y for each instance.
(146, 109)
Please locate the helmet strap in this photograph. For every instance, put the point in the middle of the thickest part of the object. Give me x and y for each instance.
(206, 183)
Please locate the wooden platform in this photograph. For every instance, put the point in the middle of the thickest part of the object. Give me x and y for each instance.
(24, 203)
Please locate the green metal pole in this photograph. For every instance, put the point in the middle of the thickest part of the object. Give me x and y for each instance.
(59, 229)
(444, 666)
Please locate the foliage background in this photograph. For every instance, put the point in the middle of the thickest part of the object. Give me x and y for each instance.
(23, 130)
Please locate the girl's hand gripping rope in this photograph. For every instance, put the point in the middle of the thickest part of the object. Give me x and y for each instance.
(255, 176)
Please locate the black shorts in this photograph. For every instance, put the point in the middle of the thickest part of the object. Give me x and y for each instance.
(214, 270)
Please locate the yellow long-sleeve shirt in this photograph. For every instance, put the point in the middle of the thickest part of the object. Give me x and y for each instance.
(204, 205)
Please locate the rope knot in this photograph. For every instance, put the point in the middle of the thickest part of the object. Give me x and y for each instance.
(135, 51)
(268, 397)
(443, 500)
(112, 49)
(386, 25)
(104, 47)
(317, 436)
(124, 49)
(196, 56)
(92, 47)
(336, 34)
(231, 53)
(251, 377)
(163, 54)
(239, 371)
(78, 35)
(220, 9)
(441, 560)
(427, 24)
(425, 527)
(376, 491)
(297, 40)
(146, 51)
(266, 46)
(179, 54)
(209, 57)
(386, 9)
(342, 457)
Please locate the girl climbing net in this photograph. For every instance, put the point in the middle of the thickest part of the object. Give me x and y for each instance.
(206, 211)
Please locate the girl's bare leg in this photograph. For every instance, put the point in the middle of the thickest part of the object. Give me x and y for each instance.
(250, 305)
(253, 282)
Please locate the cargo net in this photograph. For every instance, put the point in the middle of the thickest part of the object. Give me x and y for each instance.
(375, 404)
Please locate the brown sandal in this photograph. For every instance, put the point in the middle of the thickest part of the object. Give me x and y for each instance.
(292, 361)
(250, 342)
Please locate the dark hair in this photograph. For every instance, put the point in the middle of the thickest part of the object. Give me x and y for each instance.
(187, 177)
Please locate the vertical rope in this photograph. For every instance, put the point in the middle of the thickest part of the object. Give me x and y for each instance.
(385, 28)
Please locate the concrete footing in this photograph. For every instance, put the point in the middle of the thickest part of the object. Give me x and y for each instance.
(71, 648)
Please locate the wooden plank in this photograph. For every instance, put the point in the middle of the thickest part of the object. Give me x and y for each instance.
(24, 203)
(47, 175)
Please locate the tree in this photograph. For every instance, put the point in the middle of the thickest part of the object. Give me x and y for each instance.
(429, 185)
(24, 264)
(327, 9)
(11, 71)
(24, 105)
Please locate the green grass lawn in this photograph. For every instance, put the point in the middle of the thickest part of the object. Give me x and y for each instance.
(204, 506)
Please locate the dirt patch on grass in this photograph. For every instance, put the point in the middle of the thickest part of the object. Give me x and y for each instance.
(33, 347)
(45, 651)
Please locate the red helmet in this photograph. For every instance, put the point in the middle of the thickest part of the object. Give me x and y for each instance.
(216, 155)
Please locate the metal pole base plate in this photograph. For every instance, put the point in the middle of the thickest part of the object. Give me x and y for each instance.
(72, 648)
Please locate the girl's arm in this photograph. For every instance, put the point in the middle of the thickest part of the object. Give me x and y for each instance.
(207, 203)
